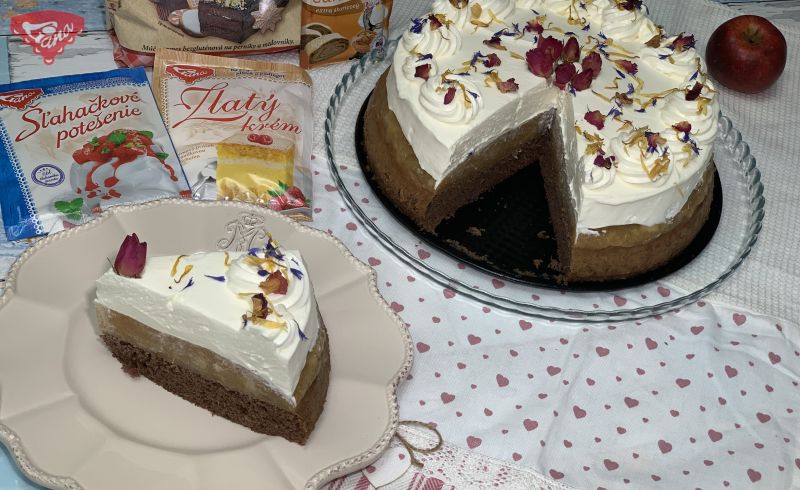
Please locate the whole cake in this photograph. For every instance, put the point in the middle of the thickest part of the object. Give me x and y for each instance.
(236, 333)
(620, 116)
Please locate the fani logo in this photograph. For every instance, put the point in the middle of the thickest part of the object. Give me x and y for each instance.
(47, 31)
(190, 74)
(19, 99)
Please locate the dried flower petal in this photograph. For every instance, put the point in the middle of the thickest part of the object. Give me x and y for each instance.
(629, 4)
(434, 22)
(654, 41)
(534, 26)
(622, 99)
(604, 162)
(654, 140)
(593, 62)
(628, 66)
(495, 42)
(131, 257)
(596, 119)
(508, 86)
(450, 95)
(583, 80)
(572, 50)
(682, 127)
(491, 61)
(459, 4)
(423, 71)
(564, 74)
(682, 43)
(275, 283)
(260, 306)
(694, 93)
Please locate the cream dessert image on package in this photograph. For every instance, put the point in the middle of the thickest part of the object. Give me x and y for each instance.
(620, 116)
(236, 333)
(249, 166)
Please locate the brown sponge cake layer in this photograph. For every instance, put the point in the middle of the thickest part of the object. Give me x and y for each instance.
(251, 406)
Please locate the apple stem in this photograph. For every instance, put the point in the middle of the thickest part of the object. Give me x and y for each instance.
(752, 35)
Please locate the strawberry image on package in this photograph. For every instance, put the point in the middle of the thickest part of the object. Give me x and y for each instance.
(72, 146)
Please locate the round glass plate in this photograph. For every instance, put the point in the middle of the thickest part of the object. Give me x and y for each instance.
(737, 231)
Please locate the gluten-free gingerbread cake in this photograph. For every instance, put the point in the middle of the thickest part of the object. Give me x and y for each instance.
(619, 116)
(236, 333)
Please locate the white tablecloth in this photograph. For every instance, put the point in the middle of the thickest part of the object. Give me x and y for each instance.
(707, 397)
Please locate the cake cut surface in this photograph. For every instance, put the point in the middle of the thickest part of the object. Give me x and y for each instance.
(620, 116)
(237, 333)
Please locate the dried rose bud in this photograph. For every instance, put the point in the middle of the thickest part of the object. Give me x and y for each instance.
(459, 4)
(593, 62)
(551, 46)
(131, 257)
(495, 42)
(583, 80)
(534, 26)
(572, 50)
(423, 71)
(596, 119)
(491, 61)
(683, 127)
(564, 74)
(450, 95)
(694, 93)
(604, 162)
(539, 62)
(508, 86)
(628, 66)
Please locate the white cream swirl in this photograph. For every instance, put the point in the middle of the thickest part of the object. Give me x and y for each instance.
(412, 62)
(531, 4)
(443, 41)
(459, 16)
(702, 114)
(595, 177)
(634, 162)
(500, 8)
(679, 65)
(466, 104)
(243, 278)
(627, 25)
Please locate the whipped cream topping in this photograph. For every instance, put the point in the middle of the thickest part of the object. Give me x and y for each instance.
(651, 85)
(202, 299)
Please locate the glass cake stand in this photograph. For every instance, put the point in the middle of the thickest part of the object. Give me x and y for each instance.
(737, 231)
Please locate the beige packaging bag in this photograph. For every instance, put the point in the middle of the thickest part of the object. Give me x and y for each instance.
(205, 26)
(341, 30)
(242, 128)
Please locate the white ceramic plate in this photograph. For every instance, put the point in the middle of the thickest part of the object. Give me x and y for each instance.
(73, 419)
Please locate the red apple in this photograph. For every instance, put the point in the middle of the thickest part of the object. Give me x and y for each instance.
(746, 54)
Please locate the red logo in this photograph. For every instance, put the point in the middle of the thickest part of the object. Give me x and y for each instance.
(19, 99)
(190, 74)
(48, 32)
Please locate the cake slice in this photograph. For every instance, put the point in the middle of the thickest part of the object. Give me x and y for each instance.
(236, 333)
(249, 166)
